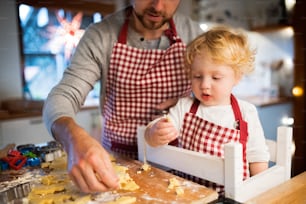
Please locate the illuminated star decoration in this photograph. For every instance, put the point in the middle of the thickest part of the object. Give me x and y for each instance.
(70, 32)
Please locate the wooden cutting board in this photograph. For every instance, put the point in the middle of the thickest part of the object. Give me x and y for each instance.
(154, 186)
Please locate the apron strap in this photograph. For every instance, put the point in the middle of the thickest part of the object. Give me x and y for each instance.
(124, 30)
(170, 32)
(194, 106)
(241, 125)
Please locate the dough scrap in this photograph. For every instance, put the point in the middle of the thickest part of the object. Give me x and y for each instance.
(179, 190)
(176, 185)
(54, 179)
(49, 199)
(126, 182)
(45, 190)
(173, 182)
(146, 167)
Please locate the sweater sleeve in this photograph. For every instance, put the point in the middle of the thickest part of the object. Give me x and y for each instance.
(67, 97)
(88, 65)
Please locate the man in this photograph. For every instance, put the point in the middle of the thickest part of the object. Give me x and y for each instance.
(137, 54)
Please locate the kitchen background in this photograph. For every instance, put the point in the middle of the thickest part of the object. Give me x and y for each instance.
(267, 23)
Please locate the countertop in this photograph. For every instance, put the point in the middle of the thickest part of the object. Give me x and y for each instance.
(19, 108)
(292, 191)
(267, 101)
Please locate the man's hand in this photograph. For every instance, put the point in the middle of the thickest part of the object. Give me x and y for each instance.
(89, 164)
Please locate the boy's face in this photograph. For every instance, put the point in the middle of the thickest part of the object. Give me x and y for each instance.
(212, 83)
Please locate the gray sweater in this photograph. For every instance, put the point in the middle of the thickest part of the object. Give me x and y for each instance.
(91, 61)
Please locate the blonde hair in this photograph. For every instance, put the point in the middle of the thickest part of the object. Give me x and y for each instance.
(224, 46)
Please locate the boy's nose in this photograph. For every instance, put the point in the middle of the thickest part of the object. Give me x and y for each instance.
(205, 84)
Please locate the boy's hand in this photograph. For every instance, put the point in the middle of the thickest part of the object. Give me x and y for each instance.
(160, 133)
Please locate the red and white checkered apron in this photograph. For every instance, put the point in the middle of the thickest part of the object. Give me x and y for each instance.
(200, 135)
(138, 80)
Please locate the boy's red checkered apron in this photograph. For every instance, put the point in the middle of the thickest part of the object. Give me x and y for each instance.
(200, 135)
(138, 80)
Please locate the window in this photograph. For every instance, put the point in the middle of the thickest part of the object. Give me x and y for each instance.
(48, 38)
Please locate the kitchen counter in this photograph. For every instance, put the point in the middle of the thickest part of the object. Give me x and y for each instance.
(20, 108)
(292, 191)
(267, 101)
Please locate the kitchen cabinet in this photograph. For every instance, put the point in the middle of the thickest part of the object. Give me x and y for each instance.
(32, 129)
(23, 131)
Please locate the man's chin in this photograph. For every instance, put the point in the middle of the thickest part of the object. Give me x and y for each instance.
(152, 25)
